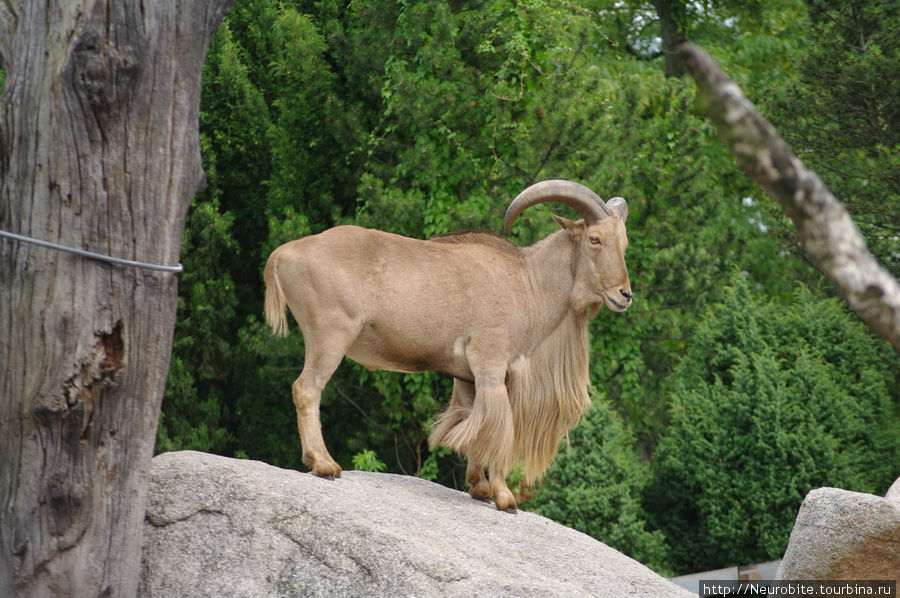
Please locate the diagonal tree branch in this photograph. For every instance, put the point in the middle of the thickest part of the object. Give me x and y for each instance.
(829, 236)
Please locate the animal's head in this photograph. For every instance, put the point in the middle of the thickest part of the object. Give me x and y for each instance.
(599, 239)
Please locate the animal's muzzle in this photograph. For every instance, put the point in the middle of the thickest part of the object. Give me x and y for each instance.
(619, 301)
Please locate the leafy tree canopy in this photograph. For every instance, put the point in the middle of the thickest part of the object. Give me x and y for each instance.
(772, 399)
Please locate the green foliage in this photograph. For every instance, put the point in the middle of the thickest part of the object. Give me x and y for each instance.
(194, 403)
(458, 94)
(234, 120)
(368, 461)
(266, 423)
(772, 400)
(595, 485)
(308, 164)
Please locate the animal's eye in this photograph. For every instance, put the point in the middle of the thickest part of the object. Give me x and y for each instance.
(596, 241)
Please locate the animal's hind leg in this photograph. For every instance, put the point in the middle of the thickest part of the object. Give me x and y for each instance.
(457, 411)
(322, 359)
(479, 487)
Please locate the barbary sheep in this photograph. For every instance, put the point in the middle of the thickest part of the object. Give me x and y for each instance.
(508, 323)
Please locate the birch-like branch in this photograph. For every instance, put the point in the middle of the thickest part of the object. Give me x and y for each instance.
(827, 231)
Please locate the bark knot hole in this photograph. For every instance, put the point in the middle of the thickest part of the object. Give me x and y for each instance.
(112, 347)
(105, 73)
(94, 372)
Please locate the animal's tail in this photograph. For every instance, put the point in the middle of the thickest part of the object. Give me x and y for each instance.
(275, 304)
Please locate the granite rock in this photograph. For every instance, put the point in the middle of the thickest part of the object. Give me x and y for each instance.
(222, 527)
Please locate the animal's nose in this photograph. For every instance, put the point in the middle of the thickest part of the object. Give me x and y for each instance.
(625, 293)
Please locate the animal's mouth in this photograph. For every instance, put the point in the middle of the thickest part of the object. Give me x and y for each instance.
(616, 304)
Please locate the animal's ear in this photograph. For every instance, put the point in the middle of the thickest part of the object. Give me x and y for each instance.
(569, 226)
(618, 206)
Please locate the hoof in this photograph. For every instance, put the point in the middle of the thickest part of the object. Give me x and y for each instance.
(505, 501)
(327, 473)
(511, 509)
(481, 492)
(508, 505)
(325, 469)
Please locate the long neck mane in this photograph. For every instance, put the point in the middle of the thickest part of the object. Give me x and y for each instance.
(548, 392)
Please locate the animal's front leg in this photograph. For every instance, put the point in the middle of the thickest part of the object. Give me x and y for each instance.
(482, 489)
(494, 442)
(503, 497)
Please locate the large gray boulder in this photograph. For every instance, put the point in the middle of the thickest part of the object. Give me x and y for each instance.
(840, 534)
(223, 527)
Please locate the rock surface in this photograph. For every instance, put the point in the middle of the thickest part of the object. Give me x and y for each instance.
(845, 535)
(223, 527)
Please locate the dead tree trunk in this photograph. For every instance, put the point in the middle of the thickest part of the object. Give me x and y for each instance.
(98, 151)
(829, 236)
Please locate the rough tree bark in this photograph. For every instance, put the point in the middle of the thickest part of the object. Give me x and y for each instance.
(827, 231)
(99, 151)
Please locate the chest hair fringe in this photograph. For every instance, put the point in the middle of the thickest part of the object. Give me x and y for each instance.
(548, 392)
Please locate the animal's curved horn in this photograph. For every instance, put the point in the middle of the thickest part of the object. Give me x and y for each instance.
(575, 195)
(619, 206)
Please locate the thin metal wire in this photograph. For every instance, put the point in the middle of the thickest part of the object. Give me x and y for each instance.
(90, 254)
